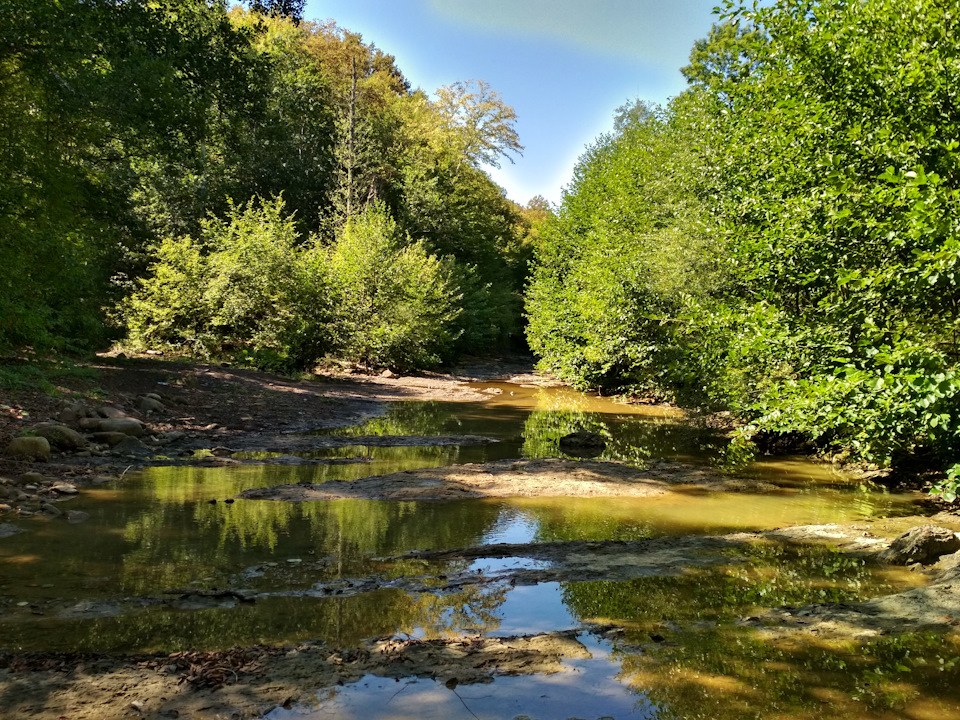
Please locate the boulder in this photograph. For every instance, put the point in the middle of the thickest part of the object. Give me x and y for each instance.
(7, 529)
(582, 442)
(109, 438)
(60, 436)
(65, 489)
(131, 446)
(127, 426)
(923, 544)
(29, 448)
(77, 516)
(108, 411)
(31, 478)
(150, 405)
(89, 424)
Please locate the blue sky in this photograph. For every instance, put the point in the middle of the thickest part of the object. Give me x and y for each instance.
(564, 65)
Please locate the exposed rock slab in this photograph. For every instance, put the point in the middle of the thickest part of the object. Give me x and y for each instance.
(548, 477)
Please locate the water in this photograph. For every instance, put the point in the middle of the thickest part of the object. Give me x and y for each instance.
(121, 581)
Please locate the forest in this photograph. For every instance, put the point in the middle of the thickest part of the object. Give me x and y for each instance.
(779, 241)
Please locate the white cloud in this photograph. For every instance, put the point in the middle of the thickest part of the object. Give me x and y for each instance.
(639, 30)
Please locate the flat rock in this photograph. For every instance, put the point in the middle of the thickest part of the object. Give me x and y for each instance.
(109, 438)
(65, 489)
(131, 446)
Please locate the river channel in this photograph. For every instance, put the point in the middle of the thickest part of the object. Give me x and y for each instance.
(658, 645)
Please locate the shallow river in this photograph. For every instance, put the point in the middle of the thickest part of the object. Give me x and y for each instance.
(100, 585)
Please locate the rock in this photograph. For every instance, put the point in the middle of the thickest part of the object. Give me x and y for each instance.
(149, 405)
(388, 374)
(31, 478)
(109, 438)
(60, 436)
(127, 426)
(50, 510)
(923, 544)
(65, 489)
(71, 414)
(77, 516)
(582, 442)
(88, 424)
(153, 396)
(29, 448)
(131, 446)
(169, 437)
(8, 529)
(4, 509)
(102, 480)
(110, 412)
(221, 452)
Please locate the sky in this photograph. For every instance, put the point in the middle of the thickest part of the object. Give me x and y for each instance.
(565, 66)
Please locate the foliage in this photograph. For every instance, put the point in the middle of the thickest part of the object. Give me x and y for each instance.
(242, 286)
(781, 240)
(395, 304)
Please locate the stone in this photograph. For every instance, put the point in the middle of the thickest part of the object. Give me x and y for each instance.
(110, 412)
(29, 448)
(89, 424)
(923, 544)
(153, 396)
(127, 426)
(388, 374)
(102, 480)
(50, 510)
(71, 414)
(109, 438)
(131, 446)
(31, 478)
(4, 509)
(60, 436)
(75, 517)
(64, 489)
(8, 529)
(149, 405)
(582, 442)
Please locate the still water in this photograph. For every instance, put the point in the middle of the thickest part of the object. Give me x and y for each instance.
(100, 585)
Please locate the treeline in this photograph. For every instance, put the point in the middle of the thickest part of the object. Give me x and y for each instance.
(782, 239)
(232, 182)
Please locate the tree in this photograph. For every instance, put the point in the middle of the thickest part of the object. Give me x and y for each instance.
(480, 125)
(292, 9)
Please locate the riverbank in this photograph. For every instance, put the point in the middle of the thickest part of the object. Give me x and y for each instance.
(213, 416)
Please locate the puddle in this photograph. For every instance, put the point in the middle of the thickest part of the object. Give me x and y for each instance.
(583, 688)
(164, 564)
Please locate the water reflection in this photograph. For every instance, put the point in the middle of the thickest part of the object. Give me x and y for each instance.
(169, 529)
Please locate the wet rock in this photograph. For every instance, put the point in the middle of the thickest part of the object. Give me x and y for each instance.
(102, 480)
(8, 529)
(50, 510)
(4, 508)
(29, 448)
(582, 442)
(65, 489)
(109, 438)
(61, 436)
(127, 426)
(923, 544)
(221, 452)
(131, 446)
(75, 517)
